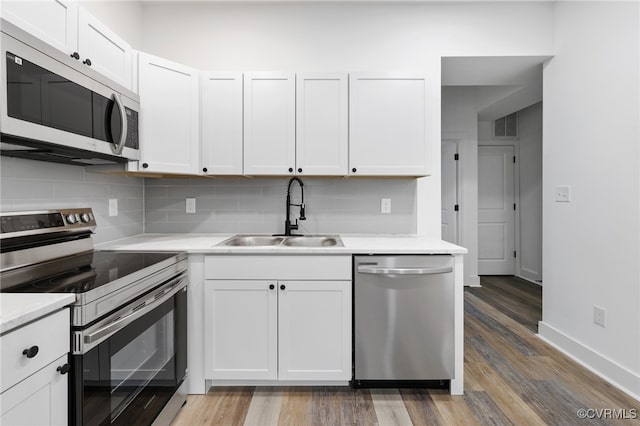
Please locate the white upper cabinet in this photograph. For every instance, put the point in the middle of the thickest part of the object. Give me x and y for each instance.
(387, 119)
(322, 145)
(54, 21)
(269, 123)
(169, 116)
(221, 124)
(71, 29)
(104, 50)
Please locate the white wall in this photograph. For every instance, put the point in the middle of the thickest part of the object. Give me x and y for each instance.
(349, 37)
(460, 123)
(530, 166)
(591, 246)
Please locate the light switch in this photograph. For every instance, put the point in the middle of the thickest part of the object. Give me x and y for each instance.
(385, 205)
(563, 194)
(191, 205)
(113, 207)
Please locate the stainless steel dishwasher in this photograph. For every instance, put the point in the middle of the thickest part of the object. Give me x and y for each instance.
(403, 320)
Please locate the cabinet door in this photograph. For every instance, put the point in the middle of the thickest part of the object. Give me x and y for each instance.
(314, 330)
(387, 133)
(169, 116)
(241, 330)
(269, 123)
(53, 21)
(103, 50)
(321, 124)
(40, 399)
(222, 124)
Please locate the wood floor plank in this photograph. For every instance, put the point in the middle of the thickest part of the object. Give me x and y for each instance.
(485, 409)
(222, 406)
(453, 410)
(390, 408)
(264, 409)
(296, 407)
(420, 407)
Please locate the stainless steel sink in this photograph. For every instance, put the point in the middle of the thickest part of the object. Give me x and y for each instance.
(282, 241)
(313, 241)
(252, 241)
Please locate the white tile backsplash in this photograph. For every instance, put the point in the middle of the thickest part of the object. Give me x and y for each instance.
(38, 185)
(244, 205)
(228, 205)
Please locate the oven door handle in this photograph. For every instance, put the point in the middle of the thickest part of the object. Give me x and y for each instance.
(148, 305)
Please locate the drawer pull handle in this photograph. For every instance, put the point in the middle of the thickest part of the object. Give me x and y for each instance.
(63, 369)
(31, 352)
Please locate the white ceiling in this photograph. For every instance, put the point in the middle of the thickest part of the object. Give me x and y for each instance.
(503, 84)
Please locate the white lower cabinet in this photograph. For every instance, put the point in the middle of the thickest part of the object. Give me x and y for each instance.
(241, 330)
(277, 329)
(314, 330)
(34, 379)
(40, 399)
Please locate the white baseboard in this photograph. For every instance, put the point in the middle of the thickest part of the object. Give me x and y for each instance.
(472, 281)
(619, 376)
(539, 283)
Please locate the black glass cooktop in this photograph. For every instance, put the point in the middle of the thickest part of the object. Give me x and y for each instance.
(81, 273)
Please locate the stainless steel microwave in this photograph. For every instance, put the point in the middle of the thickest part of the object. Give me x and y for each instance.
(54, 108)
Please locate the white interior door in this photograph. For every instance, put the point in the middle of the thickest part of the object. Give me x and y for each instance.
(496, 212)
(449, 181)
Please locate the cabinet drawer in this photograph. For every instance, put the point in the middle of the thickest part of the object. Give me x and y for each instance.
(50, 334)
(265, 267)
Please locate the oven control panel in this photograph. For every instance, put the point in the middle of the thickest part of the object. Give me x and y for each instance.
(36, 222)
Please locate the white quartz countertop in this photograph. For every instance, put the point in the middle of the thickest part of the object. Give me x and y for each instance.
(353, 244)
(17, 309)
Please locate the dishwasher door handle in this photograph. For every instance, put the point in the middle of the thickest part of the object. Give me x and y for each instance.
(382, 270)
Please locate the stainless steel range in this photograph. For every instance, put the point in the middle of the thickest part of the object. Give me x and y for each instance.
(128, 334)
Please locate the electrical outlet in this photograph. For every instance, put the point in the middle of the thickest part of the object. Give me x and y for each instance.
(563, 194)
(599, 316)
(113, 207)
(191, 205)
(385, 205)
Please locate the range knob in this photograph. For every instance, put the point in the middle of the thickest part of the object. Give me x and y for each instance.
(71, 218)
(84, 217)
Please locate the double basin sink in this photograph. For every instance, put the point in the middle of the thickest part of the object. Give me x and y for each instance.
(283, 241)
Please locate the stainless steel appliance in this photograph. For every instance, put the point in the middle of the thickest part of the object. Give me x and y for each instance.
(55, 109)
(128, 323)
(403, 320)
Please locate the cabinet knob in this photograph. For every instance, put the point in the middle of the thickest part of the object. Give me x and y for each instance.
(282, 287)
(204, 169)
(31, 352)
(271, 286)
(145, 165)
(87, 62)
(63, 369)
(75, 55)
(354, 170)
(299, 169)
(290, 169)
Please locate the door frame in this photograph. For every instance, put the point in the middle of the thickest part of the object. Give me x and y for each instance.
(515, 143)
(458, 216)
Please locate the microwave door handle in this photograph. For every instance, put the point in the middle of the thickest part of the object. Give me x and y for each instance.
(118, 147)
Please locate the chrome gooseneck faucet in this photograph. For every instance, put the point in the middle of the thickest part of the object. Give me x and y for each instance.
(288, 227)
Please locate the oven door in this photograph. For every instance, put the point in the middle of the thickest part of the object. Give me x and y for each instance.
(129, 365)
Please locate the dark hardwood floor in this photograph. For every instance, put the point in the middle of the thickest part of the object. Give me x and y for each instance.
(511, 378)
